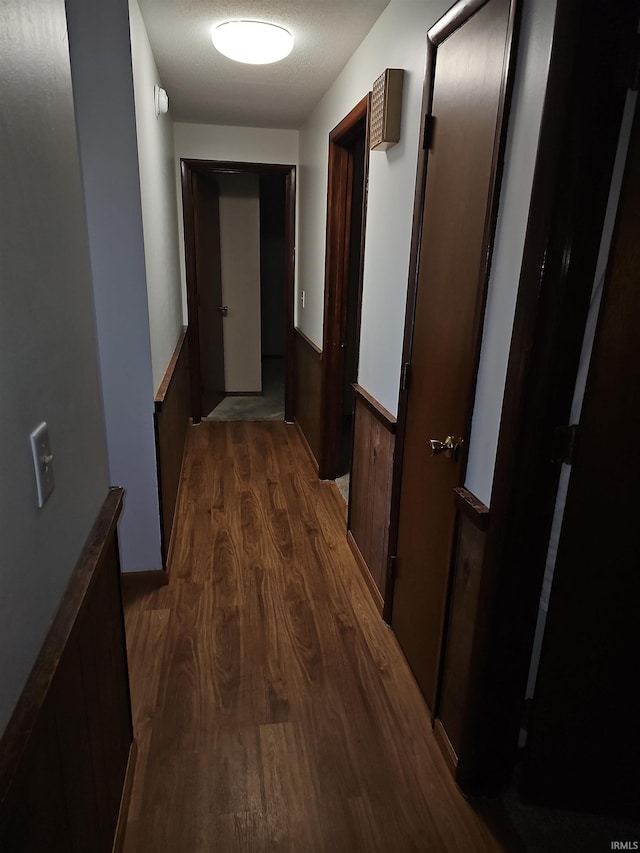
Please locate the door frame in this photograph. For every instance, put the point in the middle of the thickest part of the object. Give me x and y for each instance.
(570, 189)
(336, 279)
(591, 773)
(437, 34)
(188, 167)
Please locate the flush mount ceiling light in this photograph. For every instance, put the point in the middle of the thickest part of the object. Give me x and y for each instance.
(253, 42)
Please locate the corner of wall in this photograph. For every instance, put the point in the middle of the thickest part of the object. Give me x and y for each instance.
(100, 50)
(156, 157)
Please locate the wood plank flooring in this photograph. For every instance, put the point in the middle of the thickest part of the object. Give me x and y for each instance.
(273, 708)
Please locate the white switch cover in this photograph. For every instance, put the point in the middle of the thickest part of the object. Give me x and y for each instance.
(302, 297)
(42, 462)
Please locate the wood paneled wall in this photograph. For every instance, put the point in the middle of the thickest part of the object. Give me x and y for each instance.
(171, 419)
(308, 362)
(67, 755)
(370, 487)
(452, 707)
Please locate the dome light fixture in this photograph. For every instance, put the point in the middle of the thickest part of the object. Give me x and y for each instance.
(253, 42)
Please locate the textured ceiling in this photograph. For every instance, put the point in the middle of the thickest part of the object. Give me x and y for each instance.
(206, 87)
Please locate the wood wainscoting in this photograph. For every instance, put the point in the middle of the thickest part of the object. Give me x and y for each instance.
(171, 420)
(472, 522)
(67, 756)
(370, 488)
(308, 380)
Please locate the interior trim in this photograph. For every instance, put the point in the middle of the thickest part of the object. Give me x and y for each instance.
(314, 347)
(366, 574)
(377, 409)
(168, 375)
(472, 507)
(127, 789)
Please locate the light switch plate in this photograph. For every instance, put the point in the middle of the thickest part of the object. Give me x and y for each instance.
(42, 462)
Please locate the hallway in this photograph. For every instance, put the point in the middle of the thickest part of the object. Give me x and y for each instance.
(273, 709)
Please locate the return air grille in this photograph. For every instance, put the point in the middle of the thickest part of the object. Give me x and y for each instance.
(386, 105)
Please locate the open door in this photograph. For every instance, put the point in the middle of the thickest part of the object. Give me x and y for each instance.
(584, 740)
(466, 88)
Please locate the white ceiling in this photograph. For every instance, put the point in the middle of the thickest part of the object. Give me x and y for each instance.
(206, 87)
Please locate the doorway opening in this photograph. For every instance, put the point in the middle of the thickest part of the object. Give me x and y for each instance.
(239, 231)
(346, 215)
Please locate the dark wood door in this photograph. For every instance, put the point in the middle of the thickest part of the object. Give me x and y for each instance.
(469, 80)
(584, 739)
(206, 220)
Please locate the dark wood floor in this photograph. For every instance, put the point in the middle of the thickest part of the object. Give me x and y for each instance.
(273, 709)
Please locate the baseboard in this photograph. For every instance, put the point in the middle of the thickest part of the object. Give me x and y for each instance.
(341, 501)
(307, 446)
(148, 580)
(127, 788)
(366, 574)
(172, 541)
(446, 747)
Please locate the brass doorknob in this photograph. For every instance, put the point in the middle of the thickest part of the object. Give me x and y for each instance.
(450, 447)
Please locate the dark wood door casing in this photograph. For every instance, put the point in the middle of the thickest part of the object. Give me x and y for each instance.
(456, 206)
(336, 283)
(189, 167)
(193, 334)
(290, 342)
(206, 216)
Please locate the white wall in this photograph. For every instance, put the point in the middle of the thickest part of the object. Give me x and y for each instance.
(532, 68)
(105, 117)
(159, 213)
(240, 267)
(233, 144)
(236, 144)
(48, 363)
(397, 40)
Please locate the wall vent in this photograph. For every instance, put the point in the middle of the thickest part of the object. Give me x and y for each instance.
(386, 108)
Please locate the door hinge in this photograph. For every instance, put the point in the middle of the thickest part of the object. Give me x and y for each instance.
(406, 376)
(393, 567)
(564, 440)
(427, 131)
